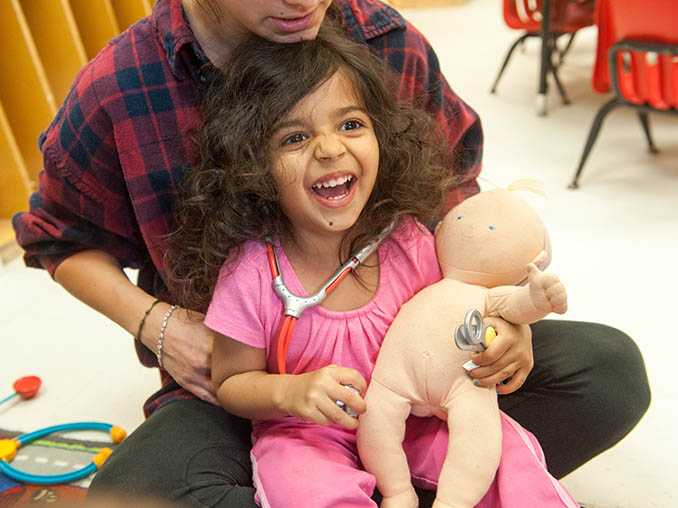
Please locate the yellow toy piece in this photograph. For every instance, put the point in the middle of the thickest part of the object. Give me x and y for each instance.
(8, 448)
(490, 335)
(101, 457)
(118, 434)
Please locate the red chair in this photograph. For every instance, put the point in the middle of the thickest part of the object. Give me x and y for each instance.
(638, 55)
(567, 17)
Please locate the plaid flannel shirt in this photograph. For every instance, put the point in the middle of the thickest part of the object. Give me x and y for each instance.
(119, 145)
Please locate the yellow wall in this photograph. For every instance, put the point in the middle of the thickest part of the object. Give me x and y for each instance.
(44, 43)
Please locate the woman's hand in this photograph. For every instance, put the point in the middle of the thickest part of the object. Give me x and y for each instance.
(313, 396)
(507, 360)
(187, 352)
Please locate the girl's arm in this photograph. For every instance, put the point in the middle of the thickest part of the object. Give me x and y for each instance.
(245, 389)
(96, 279)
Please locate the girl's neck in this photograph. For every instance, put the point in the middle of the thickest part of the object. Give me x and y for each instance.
(315, 259)
(213, 38)
(317, 253)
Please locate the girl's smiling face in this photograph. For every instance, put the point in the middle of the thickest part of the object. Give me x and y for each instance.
(326, 159)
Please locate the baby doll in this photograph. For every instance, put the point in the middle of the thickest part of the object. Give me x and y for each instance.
(487, 246)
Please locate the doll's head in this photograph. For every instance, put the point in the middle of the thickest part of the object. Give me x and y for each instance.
(490, 239)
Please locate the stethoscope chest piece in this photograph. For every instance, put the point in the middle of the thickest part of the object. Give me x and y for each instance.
(470, 335)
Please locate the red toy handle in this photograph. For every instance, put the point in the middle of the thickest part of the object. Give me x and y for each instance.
(27, 386)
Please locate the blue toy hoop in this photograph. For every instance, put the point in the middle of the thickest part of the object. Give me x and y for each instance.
(9, 447)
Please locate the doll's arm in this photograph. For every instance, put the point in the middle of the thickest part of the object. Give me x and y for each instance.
(474, 448)
(381, 431)
(543, 294)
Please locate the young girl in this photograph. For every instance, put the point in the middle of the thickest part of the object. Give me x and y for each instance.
(304, 145)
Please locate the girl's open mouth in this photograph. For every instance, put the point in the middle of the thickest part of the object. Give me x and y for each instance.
(335, 189)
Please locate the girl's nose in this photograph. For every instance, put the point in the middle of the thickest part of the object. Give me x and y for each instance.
(328, 147)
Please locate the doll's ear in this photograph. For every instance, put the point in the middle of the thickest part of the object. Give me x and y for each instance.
(435, 230)
(543, 259)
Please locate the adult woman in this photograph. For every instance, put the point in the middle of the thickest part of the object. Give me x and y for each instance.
(113, 158)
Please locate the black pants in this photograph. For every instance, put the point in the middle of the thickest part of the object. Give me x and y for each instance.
(588, 389)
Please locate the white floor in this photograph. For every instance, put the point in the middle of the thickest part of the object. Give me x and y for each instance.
(615, 246)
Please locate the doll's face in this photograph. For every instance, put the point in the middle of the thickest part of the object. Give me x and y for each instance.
(489, 239)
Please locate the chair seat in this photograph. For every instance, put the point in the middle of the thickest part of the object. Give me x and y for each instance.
(567, 16)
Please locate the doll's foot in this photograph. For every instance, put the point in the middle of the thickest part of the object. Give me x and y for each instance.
(407, 499)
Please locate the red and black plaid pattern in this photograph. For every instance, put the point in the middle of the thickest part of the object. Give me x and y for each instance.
(120, 143)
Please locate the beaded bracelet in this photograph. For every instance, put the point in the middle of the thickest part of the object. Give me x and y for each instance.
(143, 319)
(161, 337)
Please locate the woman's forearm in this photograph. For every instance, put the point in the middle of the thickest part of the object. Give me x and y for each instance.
(256, 395)
(96, 279)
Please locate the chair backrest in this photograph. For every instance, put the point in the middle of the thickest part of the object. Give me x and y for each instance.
(648, 74)
(566, 15)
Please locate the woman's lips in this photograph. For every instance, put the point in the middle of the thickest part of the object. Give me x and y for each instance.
(292, 25)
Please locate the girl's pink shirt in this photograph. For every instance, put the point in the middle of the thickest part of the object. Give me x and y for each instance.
(245, 307)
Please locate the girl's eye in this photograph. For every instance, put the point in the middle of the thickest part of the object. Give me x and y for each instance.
(294, 139)
(350, 125)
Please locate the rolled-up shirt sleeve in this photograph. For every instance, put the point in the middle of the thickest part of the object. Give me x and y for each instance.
(81, 202)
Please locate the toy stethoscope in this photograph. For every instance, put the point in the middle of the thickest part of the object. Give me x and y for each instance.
(9, 447)
(26, 388)
(473, 336)
(295, 305)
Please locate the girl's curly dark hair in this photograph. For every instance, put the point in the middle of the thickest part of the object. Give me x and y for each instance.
(231, 196)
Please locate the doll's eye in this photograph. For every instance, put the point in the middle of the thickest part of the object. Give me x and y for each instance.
(492, 227)
(459, 217)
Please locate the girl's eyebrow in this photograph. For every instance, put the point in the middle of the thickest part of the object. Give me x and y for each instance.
(295, 122)
(350, 109)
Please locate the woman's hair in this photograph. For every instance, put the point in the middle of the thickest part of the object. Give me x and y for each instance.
(231, 196)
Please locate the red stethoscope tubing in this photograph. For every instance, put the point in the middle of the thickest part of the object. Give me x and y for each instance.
(291, 315)
(287, 326)
(289, 322)
(284, 338)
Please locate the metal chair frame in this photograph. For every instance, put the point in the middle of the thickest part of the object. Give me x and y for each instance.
(551, 68)
(642, 110)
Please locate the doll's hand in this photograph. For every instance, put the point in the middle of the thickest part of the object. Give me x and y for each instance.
(508, 359)
(187, 350)
(547, 292)
(313, 396)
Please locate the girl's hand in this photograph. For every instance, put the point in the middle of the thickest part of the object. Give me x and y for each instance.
(187, 352)
(508, 359)
(313, 396)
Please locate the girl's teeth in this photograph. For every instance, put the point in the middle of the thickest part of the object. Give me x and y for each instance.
(334, 182)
